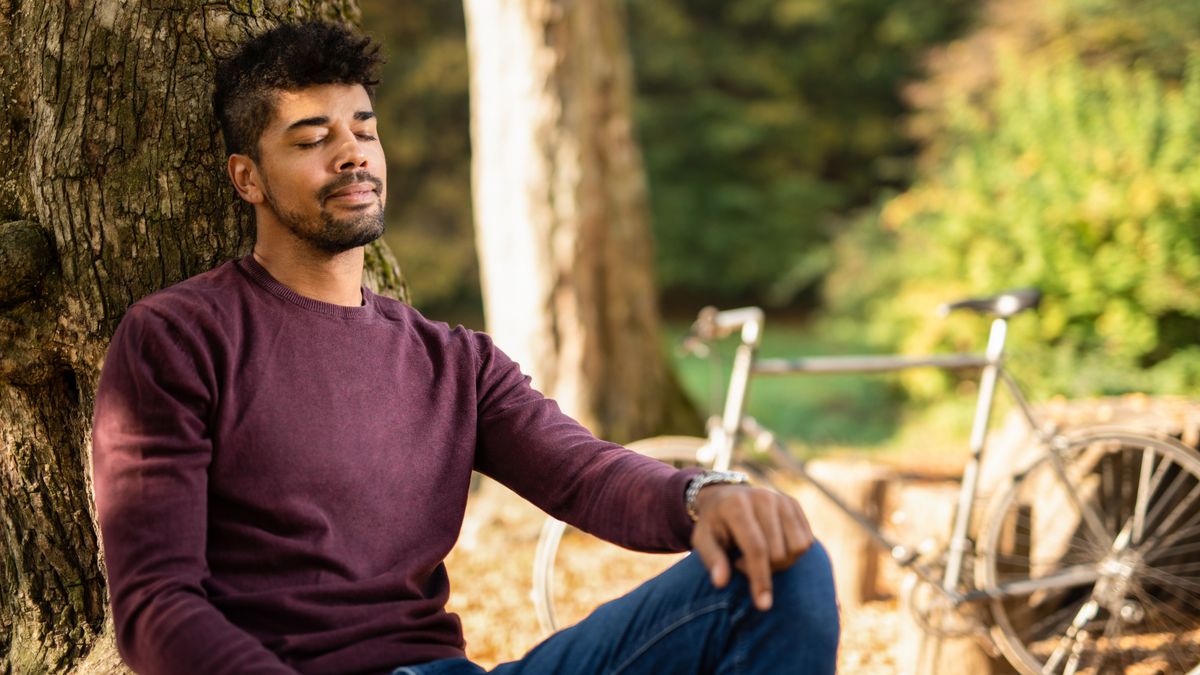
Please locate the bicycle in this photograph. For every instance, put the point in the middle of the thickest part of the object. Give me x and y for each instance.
(1084, 560)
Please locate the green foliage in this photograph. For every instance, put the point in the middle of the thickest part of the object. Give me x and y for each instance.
(1076, 175)
(763, 123)
(424, 125)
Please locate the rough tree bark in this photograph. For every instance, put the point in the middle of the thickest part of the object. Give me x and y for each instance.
(112, 186)
(562, 220)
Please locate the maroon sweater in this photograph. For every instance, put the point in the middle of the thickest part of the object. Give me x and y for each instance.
(279, 479)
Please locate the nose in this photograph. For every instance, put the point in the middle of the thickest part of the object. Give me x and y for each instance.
(350, 155)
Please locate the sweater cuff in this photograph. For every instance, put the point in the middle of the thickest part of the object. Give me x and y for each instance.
(680, 522)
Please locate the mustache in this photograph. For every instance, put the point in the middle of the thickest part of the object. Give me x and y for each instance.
(361, 176)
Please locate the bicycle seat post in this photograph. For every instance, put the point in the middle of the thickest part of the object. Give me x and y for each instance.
(970, 481)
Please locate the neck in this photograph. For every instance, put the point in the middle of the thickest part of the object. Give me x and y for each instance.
(335, 278)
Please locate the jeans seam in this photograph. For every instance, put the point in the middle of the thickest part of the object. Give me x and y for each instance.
(738, 656)
(724, 604)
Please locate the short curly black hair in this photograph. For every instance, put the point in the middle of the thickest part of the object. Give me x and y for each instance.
(286, 58)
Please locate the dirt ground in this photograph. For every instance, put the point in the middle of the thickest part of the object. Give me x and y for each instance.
(490, 573)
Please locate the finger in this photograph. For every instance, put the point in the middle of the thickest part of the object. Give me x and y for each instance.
(748, 535)
(808, 537)
(770, 510)
(796, 533)
(712, 553)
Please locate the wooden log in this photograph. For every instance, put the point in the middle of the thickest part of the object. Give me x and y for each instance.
(855, 557)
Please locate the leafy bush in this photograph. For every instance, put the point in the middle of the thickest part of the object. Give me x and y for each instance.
(1081, 180)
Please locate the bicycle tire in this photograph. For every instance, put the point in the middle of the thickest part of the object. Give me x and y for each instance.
(682, 451)
(1120, 508)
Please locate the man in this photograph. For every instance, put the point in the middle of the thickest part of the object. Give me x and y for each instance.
(282, 457)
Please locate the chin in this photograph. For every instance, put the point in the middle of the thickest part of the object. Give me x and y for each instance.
(341, 235)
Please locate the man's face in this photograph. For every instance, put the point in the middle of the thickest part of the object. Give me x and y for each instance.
(322, 167)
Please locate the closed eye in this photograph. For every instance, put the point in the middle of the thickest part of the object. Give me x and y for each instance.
(311, 144)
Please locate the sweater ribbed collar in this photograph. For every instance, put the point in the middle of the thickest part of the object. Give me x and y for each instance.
(260, 276)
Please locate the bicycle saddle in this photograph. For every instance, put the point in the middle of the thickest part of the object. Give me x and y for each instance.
(1003, 305)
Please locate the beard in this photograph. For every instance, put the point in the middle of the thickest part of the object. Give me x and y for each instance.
(329, 233)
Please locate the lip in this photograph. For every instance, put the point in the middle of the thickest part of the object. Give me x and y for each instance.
(354, 193)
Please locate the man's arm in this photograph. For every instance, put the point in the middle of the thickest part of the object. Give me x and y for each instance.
(151, 452)
(528, 444)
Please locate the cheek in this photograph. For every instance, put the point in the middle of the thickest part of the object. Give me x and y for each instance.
(377, 161)
(379, 170)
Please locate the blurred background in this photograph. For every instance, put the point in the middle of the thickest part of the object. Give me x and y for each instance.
(851, 164)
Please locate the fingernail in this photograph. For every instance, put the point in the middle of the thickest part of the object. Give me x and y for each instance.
(764, 601)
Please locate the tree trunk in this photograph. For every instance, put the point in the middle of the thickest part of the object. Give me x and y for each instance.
(113, 186)
(561, 214)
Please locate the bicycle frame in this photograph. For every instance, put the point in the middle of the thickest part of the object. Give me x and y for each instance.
(1129, 533)
(734, 425)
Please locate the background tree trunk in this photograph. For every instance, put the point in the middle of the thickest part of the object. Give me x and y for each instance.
(112, 186)
(561, 215)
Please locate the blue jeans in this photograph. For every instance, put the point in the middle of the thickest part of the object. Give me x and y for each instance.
(679, 623)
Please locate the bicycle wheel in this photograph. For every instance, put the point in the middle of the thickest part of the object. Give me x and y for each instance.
(1090, 558)
(568, 563)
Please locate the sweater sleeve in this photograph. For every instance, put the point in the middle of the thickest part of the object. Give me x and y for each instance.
(151, 451)
(527, 443)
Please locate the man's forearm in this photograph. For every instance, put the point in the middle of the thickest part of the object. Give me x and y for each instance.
(175, 631)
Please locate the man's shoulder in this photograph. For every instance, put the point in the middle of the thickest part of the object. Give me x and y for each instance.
(432, 332)
(205, 295)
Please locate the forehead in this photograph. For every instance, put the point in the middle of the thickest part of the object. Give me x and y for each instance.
(334, 101)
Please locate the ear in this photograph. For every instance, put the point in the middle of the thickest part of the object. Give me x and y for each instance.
(246, 178)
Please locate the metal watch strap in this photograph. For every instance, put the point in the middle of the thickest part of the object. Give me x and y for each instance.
(710, 478)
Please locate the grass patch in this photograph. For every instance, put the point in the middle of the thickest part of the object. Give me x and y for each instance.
(808, 410)
(832, 414)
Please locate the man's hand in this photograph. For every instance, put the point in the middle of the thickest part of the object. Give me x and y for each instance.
(768, 528)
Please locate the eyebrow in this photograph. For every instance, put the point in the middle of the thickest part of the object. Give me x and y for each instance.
(360, 116)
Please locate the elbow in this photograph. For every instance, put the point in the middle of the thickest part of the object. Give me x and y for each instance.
(149, 618)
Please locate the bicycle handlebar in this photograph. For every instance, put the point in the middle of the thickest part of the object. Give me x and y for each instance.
(713, 324)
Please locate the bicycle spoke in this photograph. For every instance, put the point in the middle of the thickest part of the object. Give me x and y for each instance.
(1172, 581)
(1182, 619)
(1181, 508)
(1052, 619)
(1156, 548)
(1180, 567)
(1115, 499)
(1070, 577)
(1075, 550)
(1182, 549)
(1146, 486)
(1090, 518)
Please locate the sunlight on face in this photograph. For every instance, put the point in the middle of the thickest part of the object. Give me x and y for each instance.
(322, 166)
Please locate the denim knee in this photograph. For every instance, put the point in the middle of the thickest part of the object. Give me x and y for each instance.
(805, 598)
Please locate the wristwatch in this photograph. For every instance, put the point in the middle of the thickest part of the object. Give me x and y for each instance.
(710, 478)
